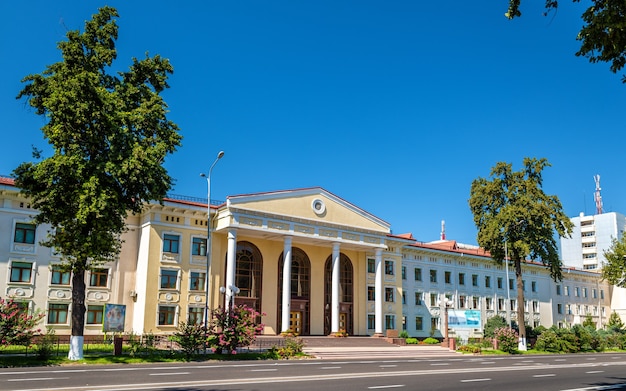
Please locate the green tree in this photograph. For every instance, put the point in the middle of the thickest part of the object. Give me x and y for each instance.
(493, 323)
(615, 323)
(614, 270)
(515, 218)
(17, 326)
(603, 36)
(109, 135)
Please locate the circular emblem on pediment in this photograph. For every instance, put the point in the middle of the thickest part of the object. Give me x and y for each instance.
(169, 297)
(98, 296)
(318, 206)
(60, 294)
(19, 292)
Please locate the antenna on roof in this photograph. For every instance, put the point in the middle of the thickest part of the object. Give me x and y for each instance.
(443, 230)
(597, 196)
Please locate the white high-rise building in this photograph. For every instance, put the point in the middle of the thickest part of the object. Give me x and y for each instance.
(591, 237)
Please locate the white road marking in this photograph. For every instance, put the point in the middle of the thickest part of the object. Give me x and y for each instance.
(389, 386)
(39, 379)
(546, 375)
(169, 373)
(263, 370)
(330, 368)
(387, 366)
(475, 380)
(594, 372)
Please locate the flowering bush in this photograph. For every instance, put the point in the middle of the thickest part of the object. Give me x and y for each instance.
(235, 328)
(507, 339)
(17, 327)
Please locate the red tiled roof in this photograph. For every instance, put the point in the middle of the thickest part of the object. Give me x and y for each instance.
(7, 181)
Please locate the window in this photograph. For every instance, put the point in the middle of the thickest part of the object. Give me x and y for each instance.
(170, 243)
(21, 271)
(487, 281)
(474, 279)
(533, 286)
(558, 290)
(559, 308)
(433, 275)
(511, 284)
(576, 291)
(434, 299)
(536, 306)
(59, 276)
(404, 323)
(513, 305)
(594, 293)
(419, 323)
(499, 281)
(198, 247)
(389, 268)
(196, 315)
(371, 265)
(601, 294)
(169, 279)
(403, 297)
(475, 302)
(418, 274)
(167, 315)
(462, 301)
(447, 277)
(371, 322)
(197, 281)
(94, 314)
(566, 290)
(404, 272)
(419, 298)
(24, 233)
(489, 303)
(585, 292)
(524, 285)
(389, 294)
(434, 323)
(371, 293)
(501, 305)
(390, 322)
(57, 313)
(99, 278)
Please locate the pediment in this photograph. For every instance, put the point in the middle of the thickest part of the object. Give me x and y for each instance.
(315, 205)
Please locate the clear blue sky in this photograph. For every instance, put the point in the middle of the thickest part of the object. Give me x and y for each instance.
(395, 106)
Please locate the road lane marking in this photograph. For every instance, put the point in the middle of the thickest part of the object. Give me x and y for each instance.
(389, 386)
(546, 375)
(475, 380)
(590, 372)
(442, 363)
(488, 362)
(39, 379)
(170, 373)
(387, 366)
(263, 370)
(330, 368)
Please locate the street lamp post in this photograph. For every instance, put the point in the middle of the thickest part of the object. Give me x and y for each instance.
(208, 244)
(446, 305)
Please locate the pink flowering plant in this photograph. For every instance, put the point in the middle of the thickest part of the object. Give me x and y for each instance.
(17, 327)
(507, 339)
(235, 328)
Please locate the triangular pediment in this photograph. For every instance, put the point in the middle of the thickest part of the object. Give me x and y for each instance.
(315, 205)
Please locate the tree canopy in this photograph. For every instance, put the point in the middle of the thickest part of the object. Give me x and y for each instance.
(614, 270)
(603, 36)
(109, 135)
(514, 215)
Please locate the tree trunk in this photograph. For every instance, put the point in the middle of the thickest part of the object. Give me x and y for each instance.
(78, 315)
(521, 321)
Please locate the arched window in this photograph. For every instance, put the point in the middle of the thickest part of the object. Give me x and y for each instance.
(248, 275)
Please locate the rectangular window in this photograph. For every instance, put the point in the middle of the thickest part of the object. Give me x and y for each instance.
(475, 302)
(196, 281)
(434, 323)
(167, 315)
(461, 278)
(99, 278)
(94, 314)
(533, 286)
(513, 305)
(585, 292)
(558, 290)
(462, 301)
(57, 313)
(21, 271)
(487, 281)
(594, 293)
(524, 285)
(390, 322)
(474, 279)
(404, 323)
(559, 308)
(196, 315)
(501, 305)
(198, 247)
(511, 283)
(566, 290)
(419, 298)
(371, 265)
(404, 272)
(169, 279)
(389, 294)
(371, 322)
(601, 294)
(577, 291)
(418, 274)
(24, 233)
(499, 281)
(536, 306)
(419, 323)
(371, 293)
(403, 297)
(59, 276)
(489, 303)
(389, 268)
(434, 299)
(170, 243)
(433, 275)
(447, 277)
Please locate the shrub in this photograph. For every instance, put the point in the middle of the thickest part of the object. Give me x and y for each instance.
(234, 328)
(17, 327)
(190, 337)
(411, 341)
(431, 341)
(293, 347)
(404, 334)
(469, 349)
(507, 339)
(45, 345)
(493, 323)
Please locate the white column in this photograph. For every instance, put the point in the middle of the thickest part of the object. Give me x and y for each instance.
(231, 266)
(334, 301)
(378, 293)
(286, 312)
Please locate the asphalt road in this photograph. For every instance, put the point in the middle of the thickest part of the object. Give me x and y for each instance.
(551, 372)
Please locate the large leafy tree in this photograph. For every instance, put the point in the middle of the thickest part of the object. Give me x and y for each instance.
(514, 215)
(109, 136)
(603, 36)
(614, 270)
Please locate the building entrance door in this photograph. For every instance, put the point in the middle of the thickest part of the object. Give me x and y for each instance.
(295, 322)
(343, 318)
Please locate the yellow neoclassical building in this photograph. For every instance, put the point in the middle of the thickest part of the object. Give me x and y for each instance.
(331, 249)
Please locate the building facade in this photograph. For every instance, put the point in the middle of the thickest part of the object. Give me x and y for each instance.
(347, 272)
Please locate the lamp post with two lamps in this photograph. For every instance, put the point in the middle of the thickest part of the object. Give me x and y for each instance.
(208, 244)
(446, 305)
